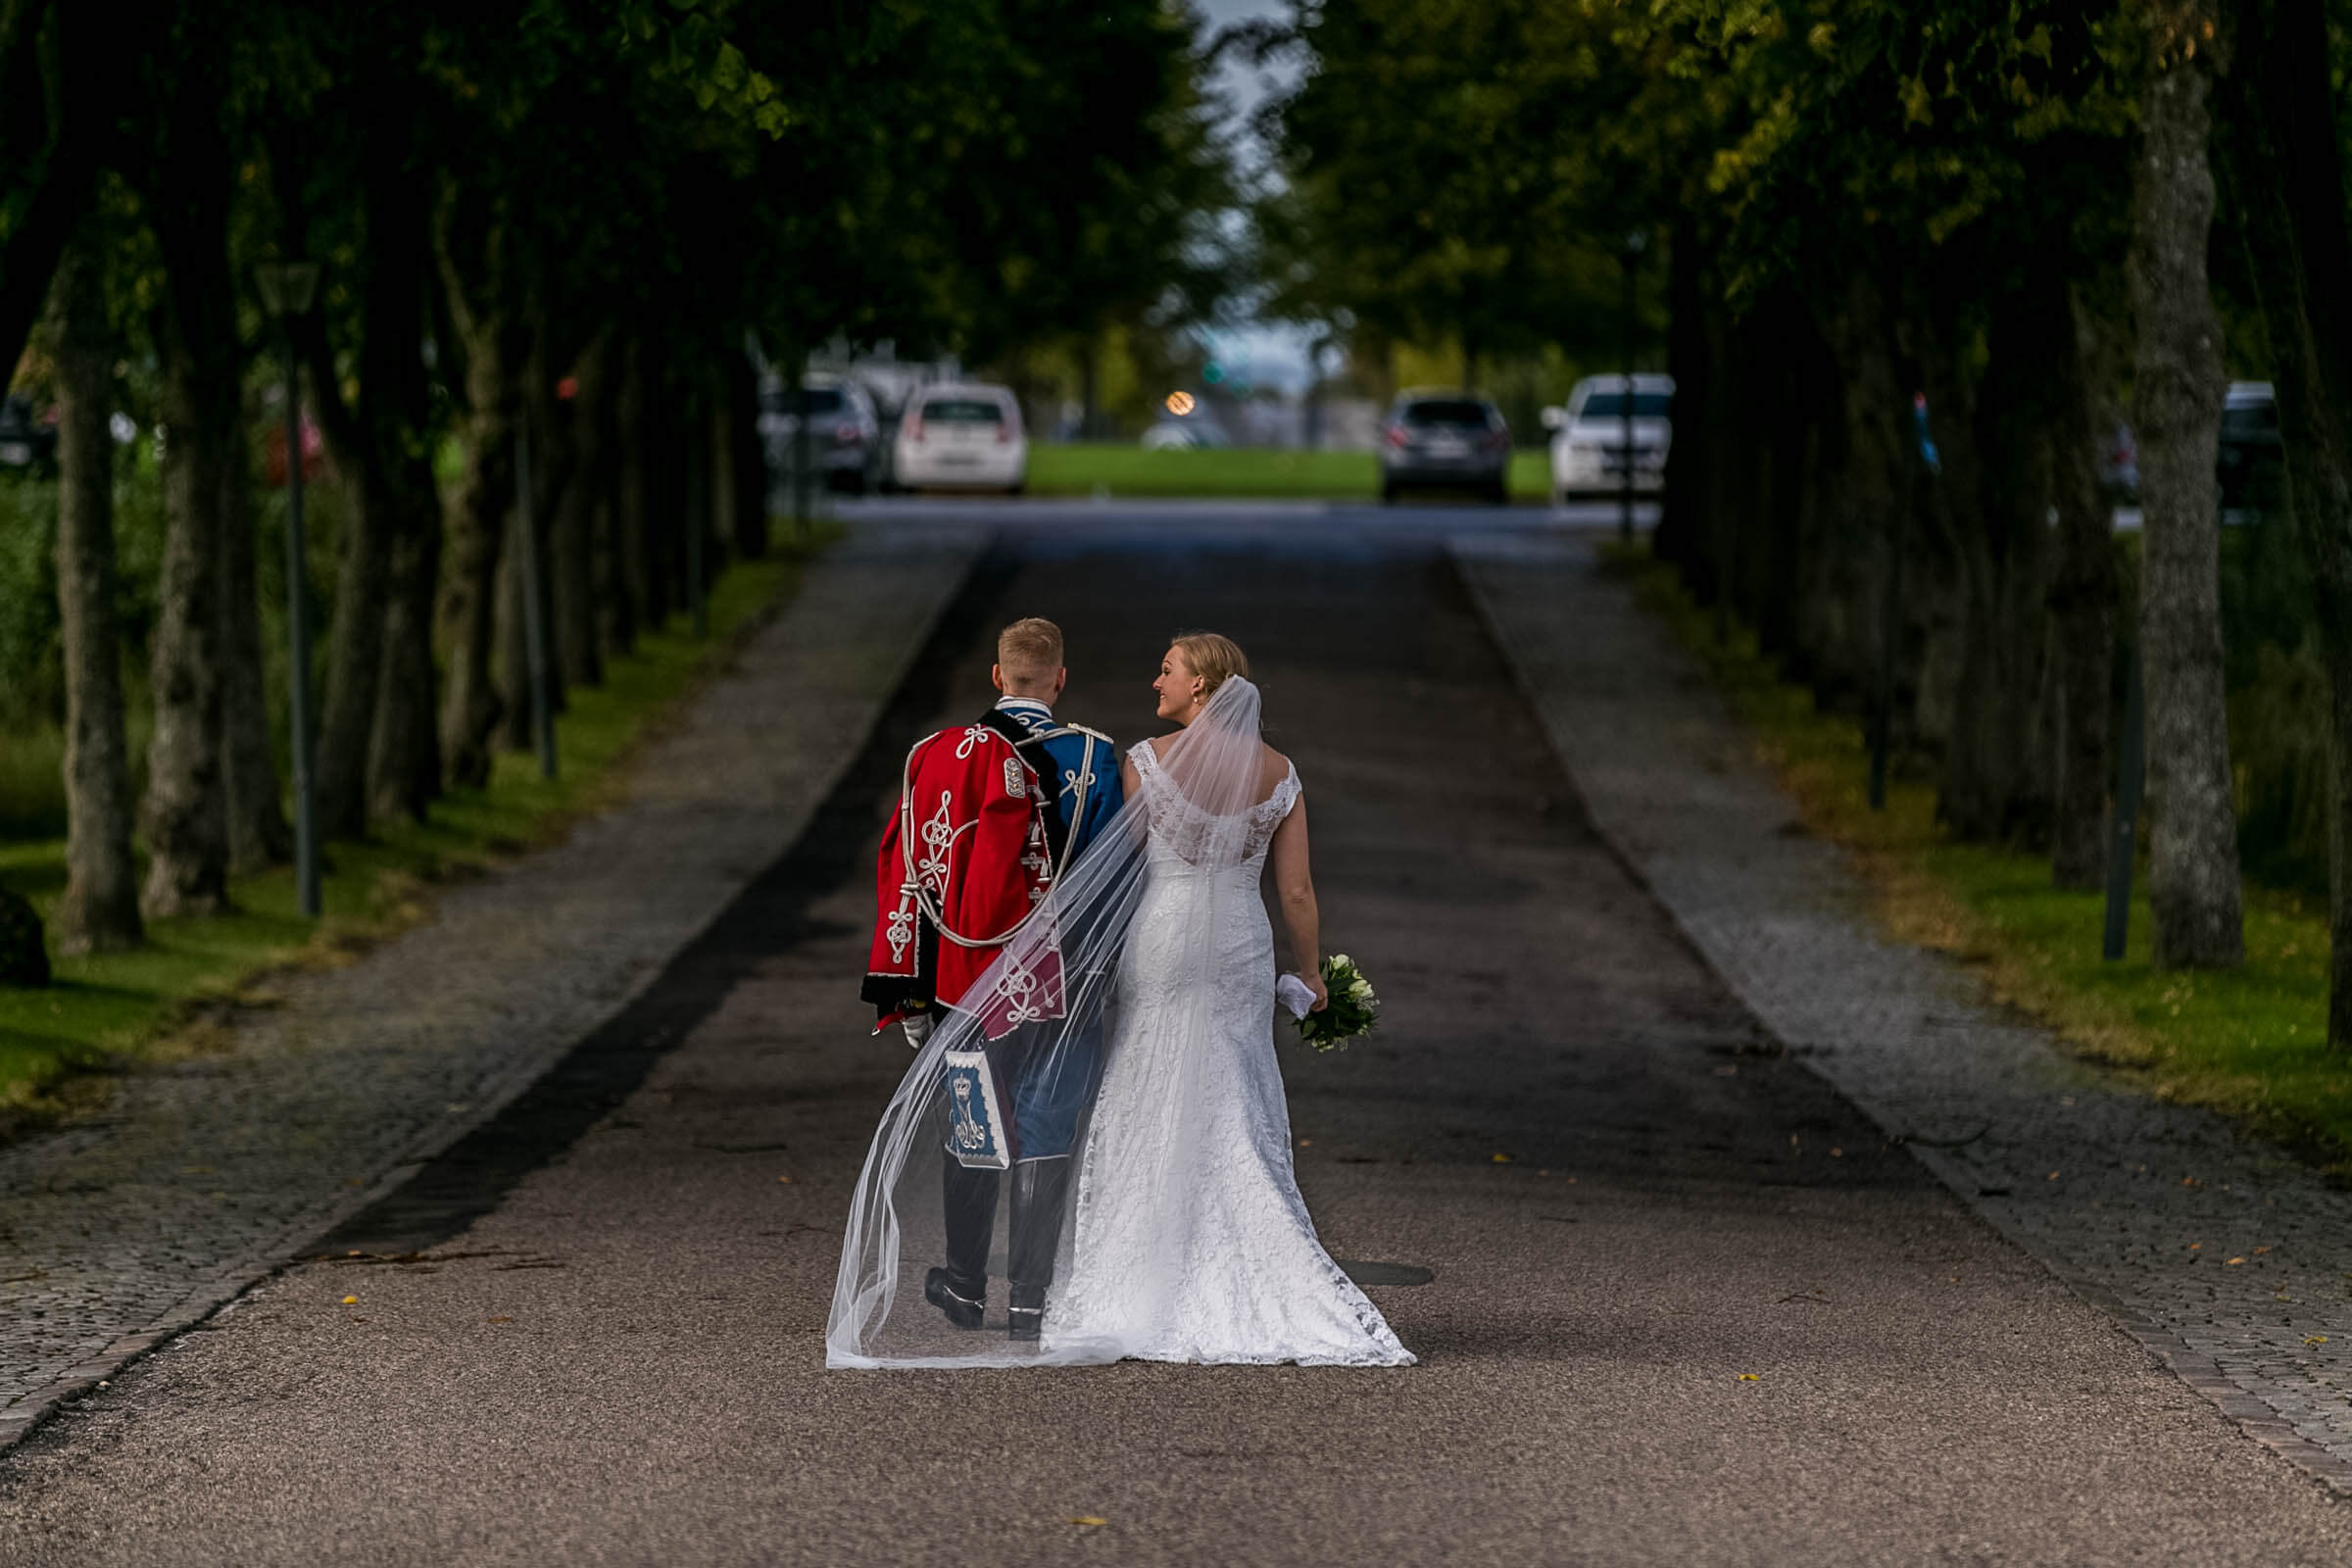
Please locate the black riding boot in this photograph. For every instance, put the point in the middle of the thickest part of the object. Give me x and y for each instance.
(1039, 1190)
(969, 1197)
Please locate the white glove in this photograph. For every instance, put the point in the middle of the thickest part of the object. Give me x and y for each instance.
(1295, 995)
(918, 1028)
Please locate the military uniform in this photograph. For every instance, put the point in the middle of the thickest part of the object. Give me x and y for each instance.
(990, 817)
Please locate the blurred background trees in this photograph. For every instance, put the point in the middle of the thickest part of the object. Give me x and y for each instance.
(1921, 273)
(556, 242)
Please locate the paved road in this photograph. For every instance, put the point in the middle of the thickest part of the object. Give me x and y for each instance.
(1686, 1306)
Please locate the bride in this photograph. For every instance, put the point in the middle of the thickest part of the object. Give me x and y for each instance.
(1188, 1240)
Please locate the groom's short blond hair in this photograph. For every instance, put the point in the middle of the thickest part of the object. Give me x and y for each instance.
(1029, 652)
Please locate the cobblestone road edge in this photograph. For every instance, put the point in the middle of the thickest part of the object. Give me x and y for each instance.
(1672, 785)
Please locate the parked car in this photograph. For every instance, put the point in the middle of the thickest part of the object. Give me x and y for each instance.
(1456, 440)
(28, 443)
(2119, 468)
(844, 433)
(965, 436)
(1189, 433)
(1588, 436)
(2252, 461)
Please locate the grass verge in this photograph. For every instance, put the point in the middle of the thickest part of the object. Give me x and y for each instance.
(1081, 468)
(2250, 1043)
(162, 998)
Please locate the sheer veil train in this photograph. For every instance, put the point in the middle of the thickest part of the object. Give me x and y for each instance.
(1188, 1240)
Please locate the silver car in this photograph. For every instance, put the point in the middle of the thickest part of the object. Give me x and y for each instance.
(1450, 440)
(844, 442)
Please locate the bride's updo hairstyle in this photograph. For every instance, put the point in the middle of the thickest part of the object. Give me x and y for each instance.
(1216, 658)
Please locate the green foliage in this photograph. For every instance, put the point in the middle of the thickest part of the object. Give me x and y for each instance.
(2250, 1042)
(114, 1002)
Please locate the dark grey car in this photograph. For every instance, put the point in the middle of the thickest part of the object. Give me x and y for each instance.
(26, 445)
(1449, 440)
(2251, 464)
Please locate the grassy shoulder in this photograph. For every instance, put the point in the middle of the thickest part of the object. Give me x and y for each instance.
(2250, 1043)
(108, 1005)
(1083, 468)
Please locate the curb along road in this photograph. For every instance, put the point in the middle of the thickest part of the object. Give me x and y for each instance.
(126, 1229)
(2224, 1256)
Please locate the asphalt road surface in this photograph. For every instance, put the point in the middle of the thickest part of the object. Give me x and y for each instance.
(1684, 1306)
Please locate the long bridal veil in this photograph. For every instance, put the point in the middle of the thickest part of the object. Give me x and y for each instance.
(1167, 875)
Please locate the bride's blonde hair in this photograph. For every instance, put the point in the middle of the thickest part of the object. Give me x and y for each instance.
(1215, 658)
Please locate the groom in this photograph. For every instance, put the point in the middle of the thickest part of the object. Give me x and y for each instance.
(989, 815)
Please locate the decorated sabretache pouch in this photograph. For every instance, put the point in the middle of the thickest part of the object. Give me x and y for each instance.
(977, 1133)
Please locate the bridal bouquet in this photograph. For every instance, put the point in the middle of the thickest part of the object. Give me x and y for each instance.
(1352, 1010)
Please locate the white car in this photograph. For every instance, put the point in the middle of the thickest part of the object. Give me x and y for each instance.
(960, 436)
(1587, 440)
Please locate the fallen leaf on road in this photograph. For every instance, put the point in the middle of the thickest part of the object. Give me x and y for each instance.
(785, 1179)
(2193, 1245)
(2259, 1251)
(2314, 1339)
(2190, 1181)
(2051, 1177)
(1086, 1519)
(1836, 1153)
(351, 1301)
(2234, 1262)
(502, 1320)
(1502, 1160)
(1751, 1377)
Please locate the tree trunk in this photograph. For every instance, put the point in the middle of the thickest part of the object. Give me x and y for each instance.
(404, 750)
(100, 909)
(185, 815)
(537, 413)
(572, 539)
(1995, 786)
(258, 832)
(1680, 534)
(495, 344)
(632, 594)
(383, 454)
(1864, 490)
(2083, 595)
(2193, 817)
(2288, 175)
(750, 452)
(185, 811)
(718, 425)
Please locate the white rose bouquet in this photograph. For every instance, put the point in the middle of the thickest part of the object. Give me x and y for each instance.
(1354, 1010)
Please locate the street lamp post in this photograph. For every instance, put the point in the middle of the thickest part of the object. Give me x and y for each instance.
(1635, 241)
(286, 288)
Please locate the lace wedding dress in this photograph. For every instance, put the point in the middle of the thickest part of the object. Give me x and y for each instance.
(1190, 1240)
(1185, 1238)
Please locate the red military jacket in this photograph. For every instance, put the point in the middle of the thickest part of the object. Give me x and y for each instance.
(973, 851)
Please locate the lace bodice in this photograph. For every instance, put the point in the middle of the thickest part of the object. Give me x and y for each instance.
(1207, 839)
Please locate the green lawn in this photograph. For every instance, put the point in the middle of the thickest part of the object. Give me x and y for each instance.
(1081, 468)
(102, 1005)
(2251, 1042)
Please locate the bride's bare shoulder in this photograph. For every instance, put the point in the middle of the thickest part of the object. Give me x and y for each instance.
(1273, 768)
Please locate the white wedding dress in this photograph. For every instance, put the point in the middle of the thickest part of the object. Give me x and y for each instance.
(1189, 1241)
(1184, 1238)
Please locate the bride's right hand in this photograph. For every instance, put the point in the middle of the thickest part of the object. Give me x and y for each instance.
(1322, 991)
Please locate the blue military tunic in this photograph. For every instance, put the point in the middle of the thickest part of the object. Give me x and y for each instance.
(1047, 1095)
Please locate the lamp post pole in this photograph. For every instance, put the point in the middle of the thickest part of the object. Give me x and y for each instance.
(286, 288)
(1635, 239)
